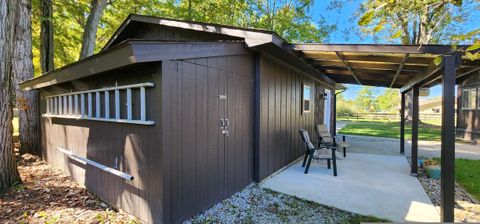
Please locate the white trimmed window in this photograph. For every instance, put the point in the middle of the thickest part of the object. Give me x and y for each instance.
(307, 98)
(469, 98)
(123, 104)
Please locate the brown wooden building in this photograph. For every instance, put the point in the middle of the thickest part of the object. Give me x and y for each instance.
(171, 117)
(468, 107)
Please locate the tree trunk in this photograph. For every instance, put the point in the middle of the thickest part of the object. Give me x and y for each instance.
(46, 36)
(90, 32)
(22, 69)
(8, 167)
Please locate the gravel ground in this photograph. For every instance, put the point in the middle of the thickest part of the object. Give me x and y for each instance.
(466, 209)
(257, 205)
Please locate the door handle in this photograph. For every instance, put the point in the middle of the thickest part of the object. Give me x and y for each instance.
(228, 122)
(222, 123)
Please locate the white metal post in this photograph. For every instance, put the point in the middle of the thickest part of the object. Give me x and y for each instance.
(90, 103)
(82, 105)
(143, 109)
(117, 104)
(76, 104)
(107, 105)
(70, 104)
(97, 104)
(129, 104)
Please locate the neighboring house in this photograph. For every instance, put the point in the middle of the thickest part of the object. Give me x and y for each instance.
(172, 110)
(468, 107)
(433, 106)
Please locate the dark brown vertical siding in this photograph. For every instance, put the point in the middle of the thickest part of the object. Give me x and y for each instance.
(280, 114)
(214, 157)
(155, 32)
(468, 121)
(201, 132)
(319, 90)
(137, 148)
(201, 167)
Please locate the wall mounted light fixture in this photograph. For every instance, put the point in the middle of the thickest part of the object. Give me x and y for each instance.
(324, 96)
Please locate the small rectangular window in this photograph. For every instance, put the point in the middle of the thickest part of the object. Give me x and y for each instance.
(307, 98)
(469, 97)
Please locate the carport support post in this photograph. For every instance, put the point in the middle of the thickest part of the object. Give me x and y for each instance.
(447, 181)
(334, 112)
(402, 124)
(415, 120)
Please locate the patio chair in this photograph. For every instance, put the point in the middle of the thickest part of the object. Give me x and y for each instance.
(317, 153)
(325, 139)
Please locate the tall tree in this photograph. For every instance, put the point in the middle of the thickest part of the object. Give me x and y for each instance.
(22, 69)
(413, 21)
(389, 100)
(292, 20)
(46, 36)
(90, 32)
(366, 99)
(409, 21)
(8, 166)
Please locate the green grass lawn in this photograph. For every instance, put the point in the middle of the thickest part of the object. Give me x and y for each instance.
(390, 129)
(468, 176)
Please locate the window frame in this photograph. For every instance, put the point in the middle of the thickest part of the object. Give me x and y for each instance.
(478, 98)
(475, 101)
(310, 104)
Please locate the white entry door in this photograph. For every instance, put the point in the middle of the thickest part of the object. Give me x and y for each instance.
(327, 110)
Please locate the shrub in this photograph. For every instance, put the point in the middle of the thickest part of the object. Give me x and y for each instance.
(344, 109)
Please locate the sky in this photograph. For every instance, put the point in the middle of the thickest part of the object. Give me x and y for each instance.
(343, 20)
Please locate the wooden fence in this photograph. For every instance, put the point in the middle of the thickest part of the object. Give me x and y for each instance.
(388, 116)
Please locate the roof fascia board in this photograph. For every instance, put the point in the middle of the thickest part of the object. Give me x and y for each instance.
(378, 48)
(119, 57)
(134, 52)
(146, 51)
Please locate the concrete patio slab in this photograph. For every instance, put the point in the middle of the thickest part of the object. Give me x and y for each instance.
(367, 184)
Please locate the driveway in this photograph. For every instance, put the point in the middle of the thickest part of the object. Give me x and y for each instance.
(391, 146)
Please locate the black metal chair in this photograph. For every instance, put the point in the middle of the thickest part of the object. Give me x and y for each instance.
(312, 152)
(326, 139)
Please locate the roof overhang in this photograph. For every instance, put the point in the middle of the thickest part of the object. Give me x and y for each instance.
(252, 37)
(133, 52)
(395, 66)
